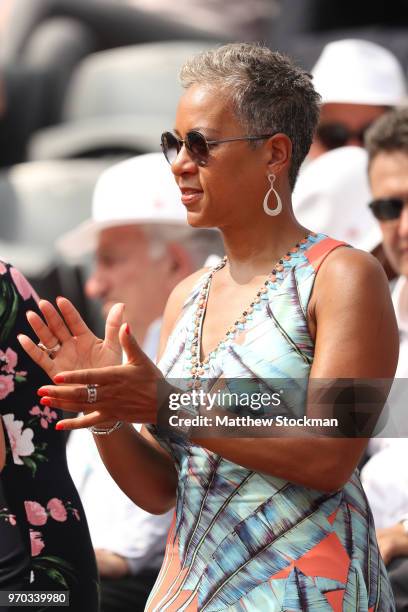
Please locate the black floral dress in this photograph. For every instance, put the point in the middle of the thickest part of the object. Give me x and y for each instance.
(44, 538)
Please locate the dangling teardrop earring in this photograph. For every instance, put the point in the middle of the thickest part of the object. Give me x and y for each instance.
(272, 211)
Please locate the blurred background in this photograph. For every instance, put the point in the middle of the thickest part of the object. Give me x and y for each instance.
(85, 83)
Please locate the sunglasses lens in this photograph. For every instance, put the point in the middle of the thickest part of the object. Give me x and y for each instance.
(197, 147)
(387, 209)
(170, 146)
(333, 135)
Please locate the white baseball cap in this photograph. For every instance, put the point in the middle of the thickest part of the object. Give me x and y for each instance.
(359, 72)
(139, 190)
(332, 195)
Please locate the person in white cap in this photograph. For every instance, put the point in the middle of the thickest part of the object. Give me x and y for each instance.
(384, 476)
(332, 194)
(143, 247)
(358, 81)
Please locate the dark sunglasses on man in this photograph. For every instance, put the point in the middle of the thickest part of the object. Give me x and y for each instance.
(387, 209)
(197, 145)
(335, 135)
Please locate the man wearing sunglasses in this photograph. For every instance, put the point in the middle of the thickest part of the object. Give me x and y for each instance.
(358, 81)
(384, 477)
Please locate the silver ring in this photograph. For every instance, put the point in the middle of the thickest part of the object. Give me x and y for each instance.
(92, 394)
(51, 352)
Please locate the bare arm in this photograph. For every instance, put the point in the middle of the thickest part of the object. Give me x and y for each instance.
(356, 337)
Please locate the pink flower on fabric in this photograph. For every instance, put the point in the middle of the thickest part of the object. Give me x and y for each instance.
(6, 386)
(23, 286)
(37, 543)
(12, 519)
(9, 360)
(20, 440)
(3, 268)
(57, 510)
(36, 514)
(47, 415)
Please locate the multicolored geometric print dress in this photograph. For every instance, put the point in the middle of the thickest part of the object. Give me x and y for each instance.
(44, 537)
(246, 541)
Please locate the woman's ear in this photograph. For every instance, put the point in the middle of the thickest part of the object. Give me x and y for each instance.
(279, 150)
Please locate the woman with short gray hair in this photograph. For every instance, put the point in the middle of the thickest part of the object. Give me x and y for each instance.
(266, 519)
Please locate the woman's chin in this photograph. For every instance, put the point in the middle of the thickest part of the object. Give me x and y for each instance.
(199, 219)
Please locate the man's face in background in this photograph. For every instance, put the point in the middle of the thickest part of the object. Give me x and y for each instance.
(343, 120)
(125, 272)
(388, 175)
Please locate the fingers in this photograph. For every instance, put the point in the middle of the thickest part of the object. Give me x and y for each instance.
(72, 398)
(54, 321)
(96, 376)
(113, 323)
(73, 319)
(57, 397)
(37, 355)
(87, 420)
(42, 331)
(128, 342)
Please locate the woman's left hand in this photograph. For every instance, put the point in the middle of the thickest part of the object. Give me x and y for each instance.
(129, 392)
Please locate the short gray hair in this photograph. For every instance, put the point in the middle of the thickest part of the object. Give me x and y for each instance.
(269, 93)
(199, 243)
(388, 134)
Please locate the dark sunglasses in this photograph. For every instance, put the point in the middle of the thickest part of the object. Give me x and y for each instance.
(387, 209)
(197, 145)
(335, 135)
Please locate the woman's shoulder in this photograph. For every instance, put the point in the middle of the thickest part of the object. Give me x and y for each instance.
(351, 276)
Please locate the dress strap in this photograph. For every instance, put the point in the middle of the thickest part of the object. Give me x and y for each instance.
(320, 250)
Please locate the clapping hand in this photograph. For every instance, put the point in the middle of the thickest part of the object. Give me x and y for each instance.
(87, 369)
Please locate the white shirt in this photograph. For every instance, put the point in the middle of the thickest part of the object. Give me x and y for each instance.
(385, 475)
(115, 522)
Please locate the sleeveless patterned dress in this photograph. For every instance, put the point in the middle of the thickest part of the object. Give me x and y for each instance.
(247, 541)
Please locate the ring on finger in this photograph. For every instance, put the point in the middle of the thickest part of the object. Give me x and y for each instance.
(92, 393)
(51, 352)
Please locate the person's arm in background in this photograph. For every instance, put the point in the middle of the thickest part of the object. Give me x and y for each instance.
(393, 541)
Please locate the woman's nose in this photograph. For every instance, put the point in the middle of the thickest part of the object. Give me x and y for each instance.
(183, 163)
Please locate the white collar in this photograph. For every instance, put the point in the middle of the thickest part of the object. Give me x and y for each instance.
(400, 301)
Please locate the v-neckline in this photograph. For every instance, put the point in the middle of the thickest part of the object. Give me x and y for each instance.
(280, 276)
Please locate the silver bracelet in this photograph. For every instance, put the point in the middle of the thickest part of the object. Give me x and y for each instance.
(105, 431)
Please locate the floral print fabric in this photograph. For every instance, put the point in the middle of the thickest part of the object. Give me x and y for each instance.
(37, 497)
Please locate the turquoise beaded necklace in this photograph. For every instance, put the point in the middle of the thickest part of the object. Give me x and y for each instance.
(194, 367)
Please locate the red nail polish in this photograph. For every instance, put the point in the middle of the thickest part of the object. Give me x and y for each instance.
(127, 329)
(45, 401)
(41, 392)
(59, 378)
(59, 426)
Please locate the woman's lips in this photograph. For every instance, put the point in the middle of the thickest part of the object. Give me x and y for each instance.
(190, 196)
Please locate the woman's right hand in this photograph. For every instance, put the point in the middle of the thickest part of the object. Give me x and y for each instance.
(80, 348)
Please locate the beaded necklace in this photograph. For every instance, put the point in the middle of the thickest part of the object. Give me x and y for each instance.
(197, 369)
